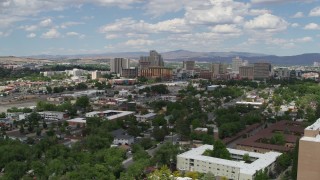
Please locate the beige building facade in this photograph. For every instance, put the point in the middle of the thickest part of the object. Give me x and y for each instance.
(309, 153)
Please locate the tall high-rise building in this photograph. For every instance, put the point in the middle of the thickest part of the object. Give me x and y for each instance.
(262, 70)
(236, 63)
(188, 65)
(96, 75)
(117, 64)
(154, 59)
(218, 68)
(246, 72)
(309, 157)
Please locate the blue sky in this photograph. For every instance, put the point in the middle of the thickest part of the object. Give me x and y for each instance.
(61, 27)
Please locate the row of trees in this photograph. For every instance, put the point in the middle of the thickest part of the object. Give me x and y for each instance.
(60, 89)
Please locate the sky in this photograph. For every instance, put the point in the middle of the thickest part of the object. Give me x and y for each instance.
(66, 27)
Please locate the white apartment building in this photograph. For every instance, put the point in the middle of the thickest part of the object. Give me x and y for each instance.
(123, 140)
(110, 114)
(145, 117)
(52, 115)
(46, 115)
(194, 160)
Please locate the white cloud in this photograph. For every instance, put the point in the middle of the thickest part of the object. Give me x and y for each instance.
(29, 27)
(5, 33)
(295, 25)
(112, 36)
(126, 25)
(31, 35)
(304, 39)
(312, 26)
(315, 11)
(139, 42)
(51, 34)
(217, 12)
(267, 22)
(70, 23)
(298, 15)
(256, 12)
(87, 17)
(12, 11)
(277, 1)
(226, 28)
(81, 36)
(46, 22)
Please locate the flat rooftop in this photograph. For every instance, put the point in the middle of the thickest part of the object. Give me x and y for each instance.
(111, 114)
(262, 160)
(77, 120)
(314, 126)
(294, 131)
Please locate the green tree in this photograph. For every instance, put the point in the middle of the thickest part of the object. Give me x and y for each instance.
(246, 158)
(208, 176)
(219, 151)
(261, 175)
(83, 102)
(2, 115)
(278, 139)
(163, 173)
(166, 153)
(295, 158)
(21, 130)
(49, 89)
(15, 170)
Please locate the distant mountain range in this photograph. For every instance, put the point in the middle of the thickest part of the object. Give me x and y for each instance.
(181, 55)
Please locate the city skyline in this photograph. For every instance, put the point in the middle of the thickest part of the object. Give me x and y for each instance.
(66, 27)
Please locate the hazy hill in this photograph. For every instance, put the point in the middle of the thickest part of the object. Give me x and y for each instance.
(180, 55)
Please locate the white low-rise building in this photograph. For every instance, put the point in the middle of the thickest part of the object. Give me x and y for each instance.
(123, 140)
(194, 160)
(110, 114)
(145, 117)
(52, 115)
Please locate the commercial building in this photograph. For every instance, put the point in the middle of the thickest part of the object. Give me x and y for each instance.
(110, 114)
(246, 72)
(117, 64)
(205, 74)
(218, 68)
(96, 75)
(154, 59)
(236, 63)
(282, 73)
(262, 70)
(309, 158)
(194, 160)
(156, 72)
(188, 65)
(130, 73)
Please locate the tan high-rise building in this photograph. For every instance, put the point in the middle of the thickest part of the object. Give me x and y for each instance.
(188, 65)
(246, 72)
(309, 153)
(96, 75)
(218, 68)
(117, 64)
(154, 59)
